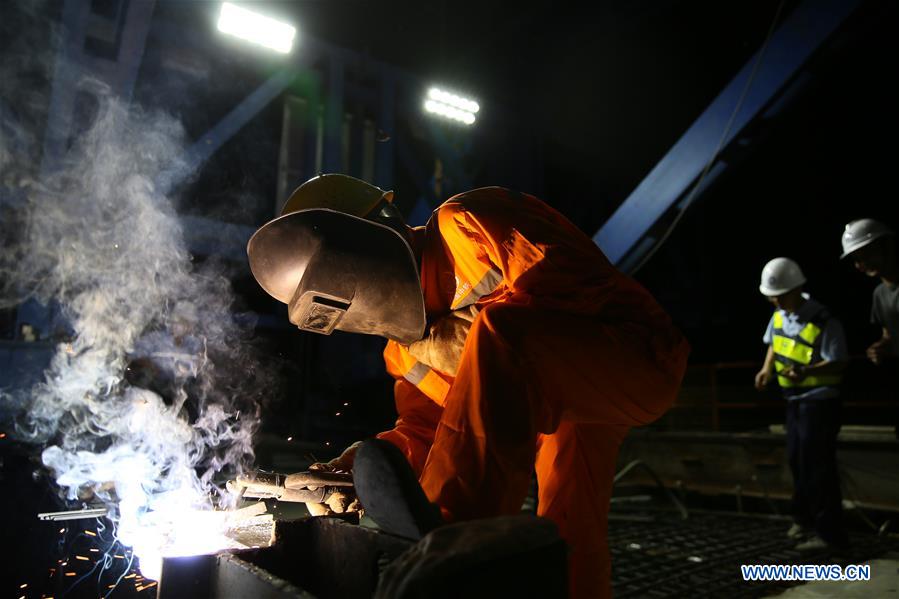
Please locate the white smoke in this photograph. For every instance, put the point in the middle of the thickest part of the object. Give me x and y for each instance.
(100, 237)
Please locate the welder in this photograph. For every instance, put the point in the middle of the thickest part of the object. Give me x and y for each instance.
(516, 347)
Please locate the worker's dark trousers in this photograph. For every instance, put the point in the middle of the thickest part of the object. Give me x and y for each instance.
(812, 427)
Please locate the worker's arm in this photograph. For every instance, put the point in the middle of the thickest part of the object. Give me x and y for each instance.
(822, 368)
(475, 255)
(417, 419)
(509, 242)
(441, 348)
(834, 355)
(764, 376)
(416, 424)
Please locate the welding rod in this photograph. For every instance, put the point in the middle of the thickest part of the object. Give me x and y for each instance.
(73, 514)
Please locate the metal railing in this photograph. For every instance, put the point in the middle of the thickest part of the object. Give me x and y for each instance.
(717, 396)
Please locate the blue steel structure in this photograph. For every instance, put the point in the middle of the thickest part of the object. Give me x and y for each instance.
(75, 66)
(394, 93)
(625, 237)
(204, 147)
(87, 57)
(104, 52)
(758, 91)
(338, 92)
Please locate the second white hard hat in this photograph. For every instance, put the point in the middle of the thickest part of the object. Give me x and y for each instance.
(860, 233)
(780, 276)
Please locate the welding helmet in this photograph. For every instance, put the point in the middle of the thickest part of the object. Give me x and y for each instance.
(780, 276)
(337, 192)
(349, 195)
(862, 232)
(336, 270)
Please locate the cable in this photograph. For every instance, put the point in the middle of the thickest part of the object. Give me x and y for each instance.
(848, 485)
(711, 161)
(633, 464)
(758, 479)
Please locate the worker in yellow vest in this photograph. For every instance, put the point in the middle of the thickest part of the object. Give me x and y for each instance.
(807, 354)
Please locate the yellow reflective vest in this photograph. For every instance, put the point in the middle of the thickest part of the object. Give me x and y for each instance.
(803, 348)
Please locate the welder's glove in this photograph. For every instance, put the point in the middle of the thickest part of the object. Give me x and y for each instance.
(442, 348)
(343, 501)
(342, 463)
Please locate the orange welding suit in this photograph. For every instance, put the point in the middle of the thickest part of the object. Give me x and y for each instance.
(565, 355)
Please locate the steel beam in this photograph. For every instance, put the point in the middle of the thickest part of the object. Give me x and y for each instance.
(134, 41)
(331, 160)
(452, 155)
(799, 36)
(240, 115)
(73, 66)
(385, 151)
(75, 14)
(72, 70)
(213, 576)
(426, 199)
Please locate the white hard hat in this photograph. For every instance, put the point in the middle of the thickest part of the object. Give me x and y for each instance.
(860, 233)
(780, 276)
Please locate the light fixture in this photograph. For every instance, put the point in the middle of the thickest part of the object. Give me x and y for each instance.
(256, 28)
(451, 106)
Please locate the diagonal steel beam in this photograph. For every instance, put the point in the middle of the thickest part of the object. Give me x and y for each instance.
(73, 66)
(207, 144)
(798, 37)
(65, 76)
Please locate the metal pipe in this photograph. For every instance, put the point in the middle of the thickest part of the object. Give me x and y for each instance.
(74, 514)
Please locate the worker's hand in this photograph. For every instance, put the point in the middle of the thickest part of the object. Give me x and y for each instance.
(442, 348)
(880, 350)
(342, 501)
(342, 463)
(795, 373)
(763, 379)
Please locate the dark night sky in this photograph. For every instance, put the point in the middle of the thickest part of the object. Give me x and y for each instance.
(607, 88)
(602, 90)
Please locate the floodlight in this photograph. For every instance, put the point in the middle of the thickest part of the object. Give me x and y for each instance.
(451, 106)
(256, 28)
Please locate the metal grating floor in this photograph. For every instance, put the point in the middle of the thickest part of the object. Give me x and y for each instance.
(656, 554)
